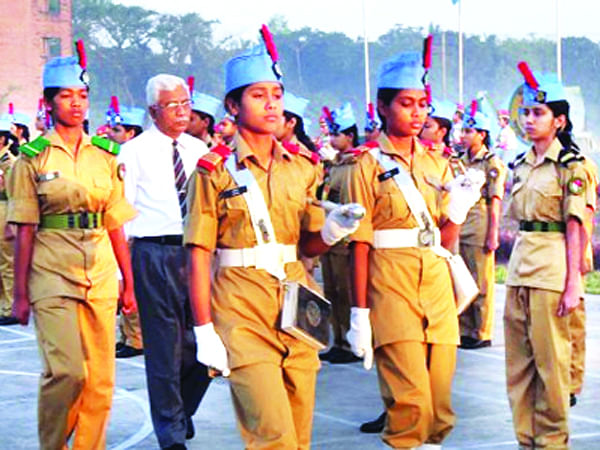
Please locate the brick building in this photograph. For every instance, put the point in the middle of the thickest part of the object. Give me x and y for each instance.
(31, 32)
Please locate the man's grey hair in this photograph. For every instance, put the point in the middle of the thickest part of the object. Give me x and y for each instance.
(162, 82)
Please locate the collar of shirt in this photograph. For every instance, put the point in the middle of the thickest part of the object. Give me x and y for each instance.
(386, 146)
(57, 141)
(478, 156)
(164, 141)
(551, 153)
(244, 151)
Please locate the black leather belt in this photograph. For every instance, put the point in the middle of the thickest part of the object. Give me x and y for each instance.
(169, 239)
(526, 225)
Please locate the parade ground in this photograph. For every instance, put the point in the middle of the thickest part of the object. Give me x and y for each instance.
(346, 396)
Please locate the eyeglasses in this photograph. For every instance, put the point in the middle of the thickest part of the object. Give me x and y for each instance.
(173, 106)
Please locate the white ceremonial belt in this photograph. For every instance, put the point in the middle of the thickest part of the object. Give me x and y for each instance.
(406, 237)
(262, 256)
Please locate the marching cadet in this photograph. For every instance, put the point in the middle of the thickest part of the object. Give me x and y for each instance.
(335, 263)
(225, 130)
(124, 122)
(479, 239)
(401, 279)
(7, 160)
(202, 119)
(506, 142)
(548, 198)
(20, 122)
(66, 197)
(292, 126)
(577, 317)
(257, 238)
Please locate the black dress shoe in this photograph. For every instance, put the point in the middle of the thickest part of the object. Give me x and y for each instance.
(476, 343)
(572, 400)
(119, 346)
(128, 352)
(190, 432)
(175, 447)
(8, 320)
(375, 426)
(343, 356)
(328, 354)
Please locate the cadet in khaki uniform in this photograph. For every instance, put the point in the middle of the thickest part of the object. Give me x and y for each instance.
(66, 198)
(245, 296)
(402, 283)
(202, 119)
(7, 160)
(577, 317)
(549, 199)
(479, 234)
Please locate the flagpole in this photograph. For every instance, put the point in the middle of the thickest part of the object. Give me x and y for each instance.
(444, 65)
(366, 48)
(558, 43)
(460, 53)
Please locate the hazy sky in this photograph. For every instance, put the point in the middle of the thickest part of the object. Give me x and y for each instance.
(506, 18)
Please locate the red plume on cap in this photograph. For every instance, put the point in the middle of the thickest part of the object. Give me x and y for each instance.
(41, 104)
(371, 111)
(428, 93)
(190, 82)
(81, 54)
(327, 114)
(269, 43)
(114, 104)
(473, 108)
(11, 109)
(427, 45)
(528, 75)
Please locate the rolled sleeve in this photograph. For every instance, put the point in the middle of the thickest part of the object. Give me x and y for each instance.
(118, 210)
(23, 205)
(497, 174)
(201, 222)
(575, 203)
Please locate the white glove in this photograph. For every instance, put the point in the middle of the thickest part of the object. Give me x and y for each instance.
(327, 152)
(465, 191)
(341, 221)
(360, 335)
(210, 350)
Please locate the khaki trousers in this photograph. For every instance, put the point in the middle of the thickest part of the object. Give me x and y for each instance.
(538, 356)
(7, 251)
(336, 285)
(577, 331)
(477, 321)
(274, 405)
(130, 330)
(77, 346)
(415, 381)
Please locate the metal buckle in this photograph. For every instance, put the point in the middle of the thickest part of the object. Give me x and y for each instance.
(71, 221)
(426, 237)
(84, 220)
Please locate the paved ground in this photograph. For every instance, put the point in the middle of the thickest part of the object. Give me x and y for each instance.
(346, 396)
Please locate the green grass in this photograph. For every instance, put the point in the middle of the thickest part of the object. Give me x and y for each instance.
(591, 280)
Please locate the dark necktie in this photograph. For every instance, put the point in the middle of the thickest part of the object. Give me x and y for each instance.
(180, 179)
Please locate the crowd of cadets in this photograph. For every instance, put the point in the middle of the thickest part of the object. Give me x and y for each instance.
(369, 277)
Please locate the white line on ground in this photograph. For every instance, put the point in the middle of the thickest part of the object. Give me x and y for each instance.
(14, 349)
(579, 418)
(483, 354)
(14, 341)
(16, 372)
(131, 363)
(503, 401)
(20, 333)
(146, 428)
(572, 437)
(336, 419)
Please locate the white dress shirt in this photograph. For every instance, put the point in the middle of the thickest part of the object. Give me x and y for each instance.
(150, 180)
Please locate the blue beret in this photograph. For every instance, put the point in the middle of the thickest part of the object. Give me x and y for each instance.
(480, 121)
(5, 124)
(205, 103)
(549, 90)
(295, 105)
(343, 117)
(64, 72)
(17, 118)
(253, 66)
(442, 109)
(132, 116)
(404, 71)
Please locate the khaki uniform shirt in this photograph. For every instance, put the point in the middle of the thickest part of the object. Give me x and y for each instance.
(548, 192)
(409, 289)
(246, 302)
(474, 230)
(74, 263)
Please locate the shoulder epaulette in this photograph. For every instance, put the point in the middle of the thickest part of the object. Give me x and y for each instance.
(518, 160)
(569, 155)
(34, 147)
(106, 144)
(371, 144)
(295, 149)
(489, 155)
(212, 159)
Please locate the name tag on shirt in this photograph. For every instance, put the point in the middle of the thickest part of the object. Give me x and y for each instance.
(389, 174)
(233, 192)
(48, 176)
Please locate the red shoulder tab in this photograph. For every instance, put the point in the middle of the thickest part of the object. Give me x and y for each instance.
(216, 156)
(296, 149)
(292, 148)
(371, 144)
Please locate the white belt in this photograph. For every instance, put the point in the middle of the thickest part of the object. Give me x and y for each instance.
(261, 256)
(406, 237)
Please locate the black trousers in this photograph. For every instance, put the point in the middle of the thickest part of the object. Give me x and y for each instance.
(176, 380)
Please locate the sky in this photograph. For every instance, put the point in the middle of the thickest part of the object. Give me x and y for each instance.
(504, 18)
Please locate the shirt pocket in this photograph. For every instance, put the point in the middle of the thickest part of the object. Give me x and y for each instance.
(546, 202)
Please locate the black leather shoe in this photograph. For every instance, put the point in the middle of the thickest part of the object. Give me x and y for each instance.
(190, 432)
(375, 426)
(475, 343)
(176, 447)
(119, 346)
(8, 320)
(343, 356)
(572, 400)
(128, 352)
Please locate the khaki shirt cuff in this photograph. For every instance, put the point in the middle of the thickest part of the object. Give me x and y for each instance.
(119, 214)
(23, 211)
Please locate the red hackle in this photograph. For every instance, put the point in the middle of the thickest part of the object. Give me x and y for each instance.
(11, 109)
(81, 54)
(427, 46)
(473, 108)
(428, 93)
(327, 114)
(114, 104)
(528, 75)
(371, 111)
(41, 104)
(269, 43)
(190, 82)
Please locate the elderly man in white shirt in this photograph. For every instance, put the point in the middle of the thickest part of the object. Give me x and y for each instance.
(155, 167)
